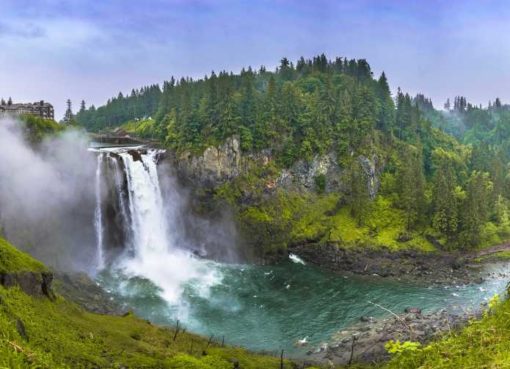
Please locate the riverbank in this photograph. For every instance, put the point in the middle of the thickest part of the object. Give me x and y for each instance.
(366, 340)
(439, 268)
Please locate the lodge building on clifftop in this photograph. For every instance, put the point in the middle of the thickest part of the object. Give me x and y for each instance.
(41, 109)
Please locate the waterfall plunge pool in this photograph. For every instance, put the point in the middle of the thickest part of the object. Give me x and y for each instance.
(269, 308)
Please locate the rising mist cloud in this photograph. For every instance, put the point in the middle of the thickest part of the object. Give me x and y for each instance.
(47, 196)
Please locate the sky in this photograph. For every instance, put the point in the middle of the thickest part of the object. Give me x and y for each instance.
(92, 49)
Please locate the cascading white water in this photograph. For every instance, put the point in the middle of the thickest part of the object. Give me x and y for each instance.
(153, 230)
(149, 227)
(119, 187)
(98, 214)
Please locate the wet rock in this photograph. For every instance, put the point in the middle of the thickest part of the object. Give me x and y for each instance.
(412, 310)
(366, 319)
(79, 288)
(136, 154)
(372, 336)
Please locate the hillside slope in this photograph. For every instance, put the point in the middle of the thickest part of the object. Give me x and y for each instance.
(41, 332)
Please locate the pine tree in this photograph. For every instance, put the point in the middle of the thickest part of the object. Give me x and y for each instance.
(475, 208)
(386, 116)
(343, 127)
(411, 181)
(365, 115)
(447, 105)
(68, 116)
(359, 197)
(445, 201)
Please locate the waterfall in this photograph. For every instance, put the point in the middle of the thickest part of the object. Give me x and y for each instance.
(98, 214)
(151, 230)
(150, 234)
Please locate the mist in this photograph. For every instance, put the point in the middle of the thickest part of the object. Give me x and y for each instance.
(212, 235)
(47, 196)
(48, 200)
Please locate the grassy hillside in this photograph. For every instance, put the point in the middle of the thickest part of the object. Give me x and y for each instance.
(14, 261)
(38, 333)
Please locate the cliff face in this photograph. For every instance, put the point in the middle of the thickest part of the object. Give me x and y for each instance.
(217, 165)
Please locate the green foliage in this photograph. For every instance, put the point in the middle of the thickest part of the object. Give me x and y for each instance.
(483, 344)
(36, 128)
(412, 186)
(445, 199)
(140, 104)
(145, 128)
(12, 260)
(397, 347)
(475, 211)
(296, 111)
(320, 183)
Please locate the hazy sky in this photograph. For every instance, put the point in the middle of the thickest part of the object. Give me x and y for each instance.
(92, 49)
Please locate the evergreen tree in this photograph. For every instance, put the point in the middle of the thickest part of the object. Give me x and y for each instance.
(475, 209)
(386, 117)
(359, 197)
(445, 200)
(68, 116)
(411, 188)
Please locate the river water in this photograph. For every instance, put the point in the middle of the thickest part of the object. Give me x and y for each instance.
(271, 307)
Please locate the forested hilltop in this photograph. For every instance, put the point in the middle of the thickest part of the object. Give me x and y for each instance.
(409, 176)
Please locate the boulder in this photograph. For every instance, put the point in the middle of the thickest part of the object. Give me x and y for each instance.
(412, 310)
(32, 283)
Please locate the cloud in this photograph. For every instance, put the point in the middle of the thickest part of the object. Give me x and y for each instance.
(91, 50)
(25, 30)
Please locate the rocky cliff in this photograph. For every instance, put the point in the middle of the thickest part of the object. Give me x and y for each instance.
(217, 165)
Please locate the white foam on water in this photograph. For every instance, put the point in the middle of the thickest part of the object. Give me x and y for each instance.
(296, 259)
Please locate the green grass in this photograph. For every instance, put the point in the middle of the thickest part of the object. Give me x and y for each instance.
(382, 229)
(145, 128)
(14, 261)
(63, 335)
(314, 218)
